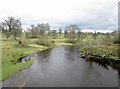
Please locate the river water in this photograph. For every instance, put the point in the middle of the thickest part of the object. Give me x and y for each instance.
(62, 67)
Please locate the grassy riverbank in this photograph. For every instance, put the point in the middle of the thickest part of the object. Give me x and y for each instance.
(11, 52)
(103, 53)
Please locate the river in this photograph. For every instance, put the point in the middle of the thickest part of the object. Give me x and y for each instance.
(62, 67)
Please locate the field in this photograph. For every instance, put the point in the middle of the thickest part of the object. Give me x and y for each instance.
(11, 52)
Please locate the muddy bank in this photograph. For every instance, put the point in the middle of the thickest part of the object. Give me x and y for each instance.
(101, 60)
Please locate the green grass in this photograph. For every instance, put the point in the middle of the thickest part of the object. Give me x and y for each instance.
(59, 40)
(101, 49)
(9, 70)
(60, 36)
(11, 52)
(105, 54)
(107, 51)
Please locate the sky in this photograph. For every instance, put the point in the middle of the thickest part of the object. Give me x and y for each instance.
(89, 15)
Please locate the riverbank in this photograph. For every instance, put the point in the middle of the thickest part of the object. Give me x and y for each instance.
(62, 67)
(11, 52)
(10, 55)
(102, 54)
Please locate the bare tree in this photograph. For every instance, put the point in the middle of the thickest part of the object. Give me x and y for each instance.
(12, 26)
(60, 30)
(94, 37)
(79, 34)
(43, 28)
(72, 28)
(33, 32)
(71, 35)
(54, 33)
(39, 30)
(65, 33)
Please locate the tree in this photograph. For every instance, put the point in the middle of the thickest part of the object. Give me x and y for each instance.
(54, 33)
(27, 35)
(65, 33)
(12, 26)
(43, 28)
(71, 32)
(60, 30)
(50, 33)
(72, 28)
(39, 29)
(79, 34)
(33, 32)
(94, 37)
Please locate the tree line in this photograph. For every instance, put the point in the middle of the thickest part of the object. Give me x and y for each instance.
(13, 27)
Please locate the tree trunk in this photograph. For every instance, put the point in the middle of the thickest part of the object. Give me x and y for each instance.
(19, 41)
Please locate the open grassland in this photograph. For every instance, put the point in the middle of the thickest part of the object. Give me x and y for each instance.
(11, 52)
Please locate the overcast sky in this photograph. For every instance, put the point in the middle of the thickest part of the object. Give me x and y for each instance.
(87, 14)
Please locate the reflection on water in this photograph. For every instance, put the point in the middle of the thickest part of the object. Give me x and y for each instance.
(72, 49)
(44, 53)
(61, 67)
(101, 64)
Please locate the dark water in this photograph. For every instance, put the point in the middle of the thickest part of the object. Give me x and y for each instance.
(61, 67)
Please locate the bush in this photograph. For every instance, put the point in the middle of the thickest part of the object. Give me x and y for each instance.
(107, 40)
(43, 40)
(53, 41)
(71, 41)
(71, 38)
(116, 40)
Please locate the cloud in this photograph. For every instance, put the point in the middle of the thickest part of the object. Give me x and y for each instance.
(94, 14)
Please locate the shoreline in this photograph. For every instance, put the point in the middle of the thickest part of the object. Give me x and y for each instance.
(28, 63)
(101, 60)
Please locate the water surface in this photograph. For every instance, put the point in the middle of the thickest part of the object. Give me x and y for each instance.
(62, 67)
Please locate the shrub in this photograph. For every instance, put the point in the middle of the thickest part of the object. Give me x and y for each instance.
(116, 40)
(71, 38)
(53, 41)
(43, 40)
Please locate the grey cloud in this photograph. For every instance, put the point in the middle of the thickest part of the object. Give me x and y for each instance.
(94, 16)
